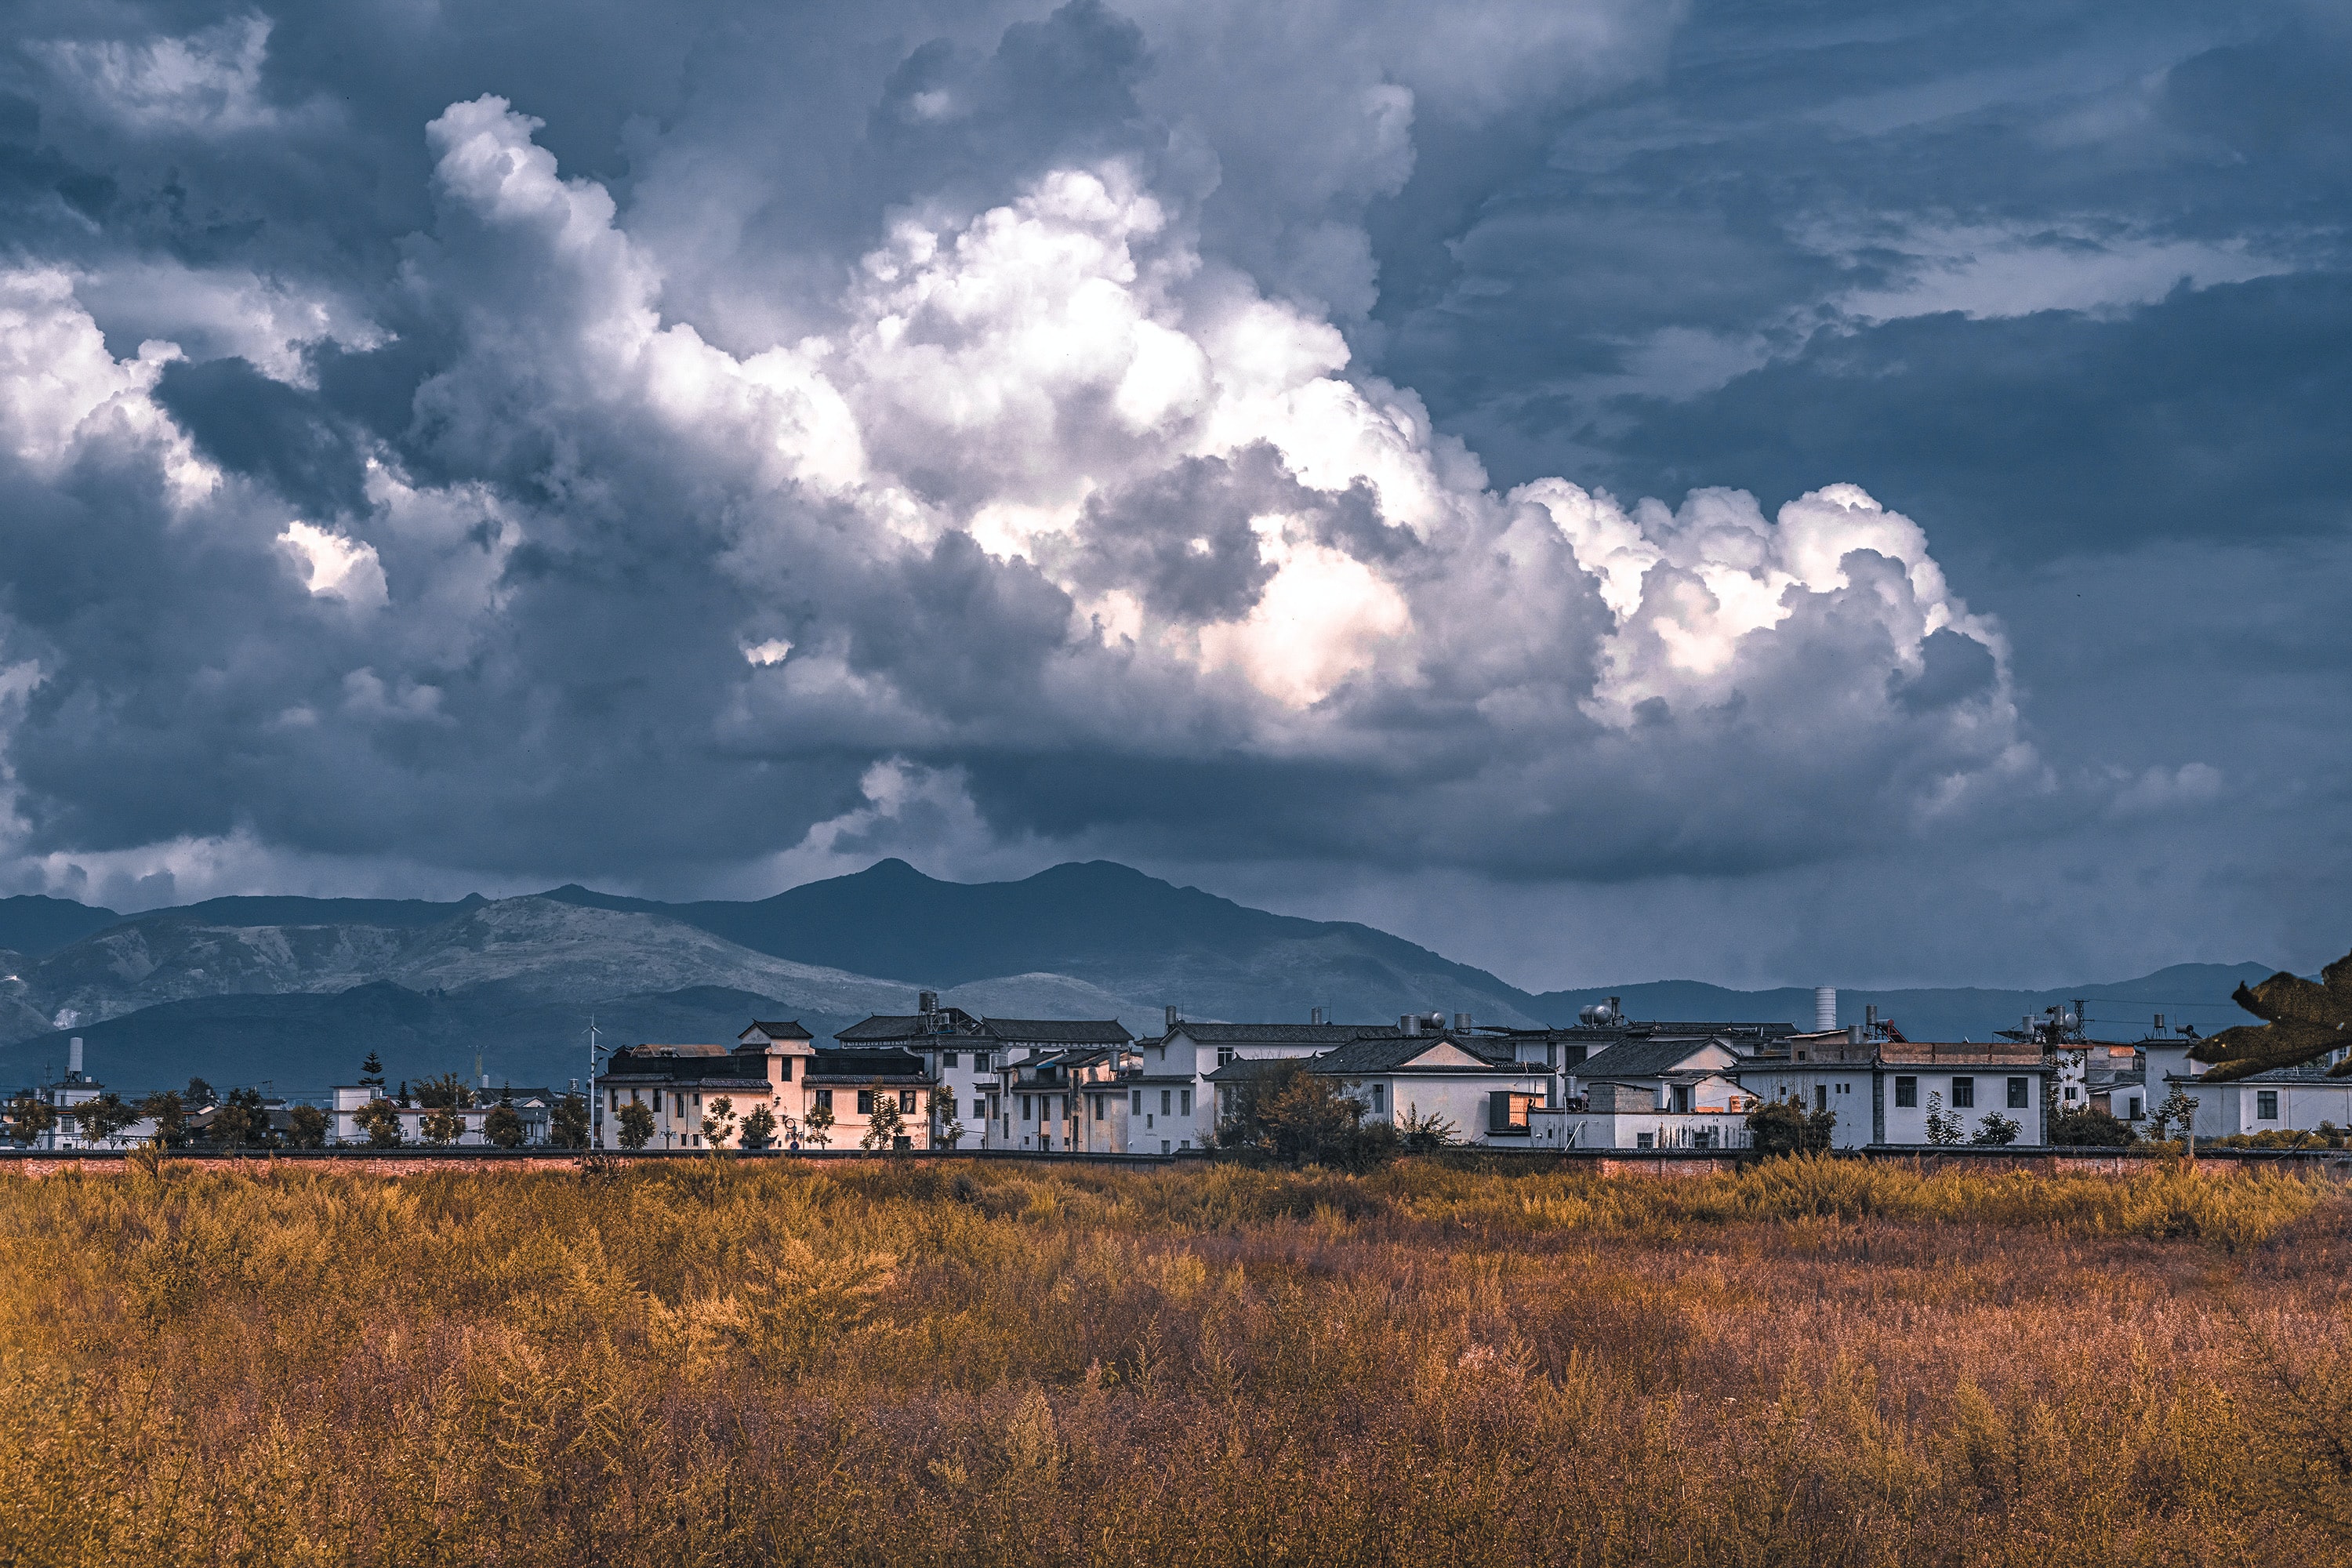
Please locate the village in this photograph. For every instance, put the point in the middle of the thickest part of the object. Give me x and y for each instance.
(941, 1078)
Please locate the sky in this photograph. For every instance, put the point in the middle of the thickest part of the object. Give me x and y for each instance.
(1771, 493)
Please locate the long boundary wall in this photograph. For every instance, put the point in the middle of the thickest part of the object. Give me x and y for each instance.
(2334, 1164)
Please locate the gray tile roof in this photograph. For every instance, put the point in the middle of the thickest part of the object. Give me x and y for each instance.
(1644, 1057)
(791, 1030)
(1393, 1053)
(1280, 1034)
(895, 1027)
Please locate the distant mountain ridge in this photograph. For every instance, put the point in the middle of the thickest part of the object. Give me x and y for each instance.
(221, 987)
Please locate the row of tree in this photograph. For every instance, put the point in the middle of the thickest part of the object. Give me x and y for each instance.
(238, 1119)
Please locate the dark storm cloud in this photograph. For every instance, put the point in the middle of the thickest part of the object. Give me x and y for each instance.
(732, 433)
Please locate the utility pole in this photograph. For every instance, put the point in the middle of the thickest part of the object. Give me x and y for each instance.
(588, 1086)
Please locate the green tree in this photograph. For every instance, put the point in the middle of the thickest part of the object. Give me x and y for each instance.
(29, 1116)
(1944, 1127)
(2178, 1112)
(103, 1118)
(759, 1128)
(2305, 1022)
(242, 1121)
(816, 1128)
(951, 1132)
(2089, 1128)
(502, 1124)
(448, 1092)
(171, 1117)
(1786, 1127)
(1290, 1116)
(371, 1072)
(718, 1123)
(636, 1122)
(568, 1125)
(1996, 1131)
(200, 1096)
(441, 1126)
(379, 1119)
(305, 1127)
(885, 1123)
(1423, 1134)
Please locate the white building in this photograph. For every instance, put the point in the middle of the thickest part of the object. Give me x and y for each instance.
(1656, 1092)
(2284, 1100)
(1883, 1091)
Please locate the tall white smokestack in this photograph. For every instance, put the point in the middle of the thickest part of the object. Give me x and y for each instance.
(73, 1057)
(1824, 1007)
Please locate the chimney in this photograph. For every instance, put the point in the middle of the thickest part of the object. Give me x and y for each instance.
(1316, 1017)
(1171, 1018)
(2160, 1023)
(1409, 1023)
(927, 1001)
(1824, 1008)
(1461, 1022)
(73, 1057)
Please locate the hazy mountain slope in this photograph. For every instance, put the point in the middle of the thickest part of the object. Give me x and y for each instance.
(553, 949)
(1131, 935)
(34, 925)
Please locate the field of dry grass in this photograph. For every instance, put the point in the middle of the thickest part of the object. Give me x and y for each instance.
(1808, 1363)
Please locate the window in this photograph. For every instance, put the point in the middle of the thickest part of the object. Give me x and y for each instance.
(681, 1106)
(980, 1061)
(950, 1058)
(1137, 1107)
(865, 1102)
(1682, 1098)
(1098, 1100)
(2017, 1095)
(1026, 1114)
(2070, 1092)
(1906, 1093)
(1645, 1139)
(786, 1063)
(1185, 1109)
(617, 1102)
(825, 1099)
(980, 1110)
(1225, 1055)
(1964, 1094)
(1571, 1055)
(1377, 1089)
(2131, 1110)
(1166, 1098)
(2266, 1105)
(906, 1101)
(1820, 1097)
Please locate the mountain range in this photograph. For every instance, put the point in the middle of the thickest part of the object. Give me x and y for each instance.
(293, 991)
